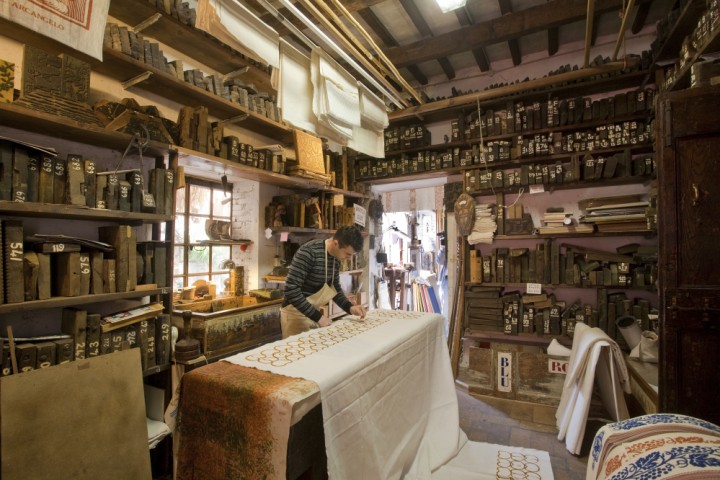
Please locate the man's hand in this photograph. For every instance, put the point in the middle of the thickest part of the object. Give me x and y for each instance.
(358, 310)
(324, 321)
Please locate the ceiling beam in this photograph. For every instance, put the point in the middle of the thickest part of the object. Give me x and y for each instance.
(513, 45)
(502, 29)
(423, 28)
(553, 41)
(447, 68)
(640, 17)
(465, 18)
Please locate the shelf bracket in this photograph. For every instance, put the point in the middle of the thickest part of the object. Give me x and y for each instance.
(135, 80)
(235, 73)
(147, 22)
(235, 119)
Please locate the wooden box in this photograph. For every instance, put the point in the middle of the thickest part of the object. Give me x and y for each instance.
(235, 329)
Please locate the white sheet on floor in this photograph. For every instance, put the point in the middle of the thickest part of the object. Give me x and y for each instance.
(594, 355)
(388, 396)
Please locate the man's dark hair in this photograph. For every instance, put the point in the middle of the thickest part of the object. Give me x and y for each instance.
(349, 236)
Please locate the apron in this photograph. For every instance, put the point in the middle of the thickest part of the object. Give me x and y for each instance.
(293, 322)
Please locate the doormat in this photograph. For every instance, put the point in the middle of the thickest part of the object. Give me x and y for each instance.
(480, 461)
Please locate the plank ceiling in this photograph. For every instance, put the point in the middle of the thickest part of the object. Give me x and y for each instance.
(428, 46)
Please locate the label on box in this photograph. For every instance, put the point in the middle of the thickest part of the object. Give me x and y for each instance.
(534, 288)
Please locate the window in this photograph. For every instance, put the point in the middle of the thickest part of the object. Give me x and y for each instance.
(197, 206)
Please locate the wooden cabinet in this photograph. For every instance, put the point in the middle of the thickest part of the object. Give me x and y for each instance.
(688, 139)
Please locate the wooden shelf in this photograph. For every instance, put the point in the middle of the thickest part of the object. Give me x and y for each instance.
(302, 230)
(517, 338)
(190, 41)
(353, 272)
(74, 212)
(122, 67)
(550, 286)
(468, 143)
(564, 85)
(224, 242)
(643, 233)
(428, 174)
(156, 369)
(57, 302)
(686, 21)
(682, 76)
(603, 182)
(22, 118)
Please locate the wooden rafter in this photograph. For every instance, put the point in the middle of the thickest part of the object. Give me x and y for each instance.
(553, 41)
(513, 44)
(502, 29)
(423, 28)
(465, 18)
(640, 17)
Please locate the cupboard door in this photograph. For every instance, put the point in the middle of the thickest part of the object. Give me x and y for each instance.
(689, 225)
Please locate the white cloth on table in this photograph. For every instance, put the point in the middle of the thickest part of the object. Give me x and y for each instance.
(594, 355)
(389, 404)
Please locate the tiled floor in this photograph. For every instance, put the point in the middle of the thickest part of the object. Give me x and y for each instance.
(519, 424)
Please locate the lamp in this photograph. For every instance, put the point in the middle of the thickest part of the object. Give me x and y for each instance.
(450, 5)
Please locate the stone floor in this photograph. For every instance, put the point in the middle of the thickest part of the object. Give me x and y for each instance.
(520, 424)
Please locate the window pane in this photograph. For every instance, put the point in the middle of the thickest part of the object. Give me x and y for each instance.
(180, 200)
(220, 255)
(195, 278)
(199, 260)
(179, 261)
(222, 282)
(197, 229)
(178, 283)
(199, 199)
(221, 203)
(180, 229)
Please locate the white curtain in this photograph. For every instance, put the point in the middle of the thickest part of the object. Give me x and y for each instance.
(295, 91)
(368, 138)
(233, 24)
(336, 101)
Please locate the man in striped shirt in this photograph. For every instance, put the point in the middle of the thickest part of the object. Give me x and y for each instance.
(314, 280)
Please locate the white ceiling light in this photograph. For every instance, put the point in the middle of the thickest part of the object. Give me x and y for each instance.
(450, 5)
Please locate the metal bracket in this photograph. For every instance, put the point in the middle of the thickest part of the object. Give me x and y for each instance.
(135, 80)
(147, 22)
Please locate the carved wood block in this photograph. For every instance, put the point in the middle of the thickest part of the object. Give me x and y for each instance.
(112, 194)
(85, 273)
(46, 354)
(94, 329)
(150, 357)
(46, 179)
(31, 268)
(13, 261)
(105, 343)
(20, 174)
(67, 274)
(162, 339)
(124, 200)
(109, 276)
(7, 81)
(90, 184)
(26, 355)
(44, 283)
(117, 337)
(147, 253)
(33, 178)
(41, 71)
(169, 203)
(157, 188)
(141, 337)
(6, 169)
(124, 241)
(59, 168)
(96, 272)
(6, 363)
(100, 188)
(75, 180)
(136, 184)
(64, 350)
(74, 323)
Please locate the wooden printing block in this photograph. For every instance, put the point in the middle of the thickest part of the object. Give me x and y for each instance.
(117, 338)
(162, 339)
(105, 343)
(75, 180)
(6, 162)
(100, 187)
(147, 253)
(46, 180)
(169, 190)
(111, 192)
(33, 178)
(124, 200)
(31, 268)
(160, 274)
(59, 167)
(44, 283)
(151, 346)
(96, 272)
(123, 239)
(65, 350)
(46, 354)
(157, 188)
(85, 273)
(5, 361)
(136, 184)
(109, 276)
(7, 81)
(26, 355)
(141, 337)
(92, 335)
(74, 323)
(13, 261)
(90, 184)
(67, 274)
(20, 174)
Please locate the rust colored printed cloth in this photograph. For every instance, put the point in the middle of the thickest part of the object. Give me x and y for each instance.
(234, 422)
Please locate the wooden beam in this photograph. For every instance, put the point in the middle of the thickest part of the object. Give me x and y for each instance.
(588, 30)
(378, 27)
(640, 17)
(502, 29)
(464, 16)
(623, 26)
(553, 41)
(417, 73)
(447, 68)
(481, 58)
(416, 17)
(515, 52)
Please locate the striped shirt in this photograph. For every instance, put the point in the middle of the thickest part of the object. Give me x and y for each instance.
(306, 276)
